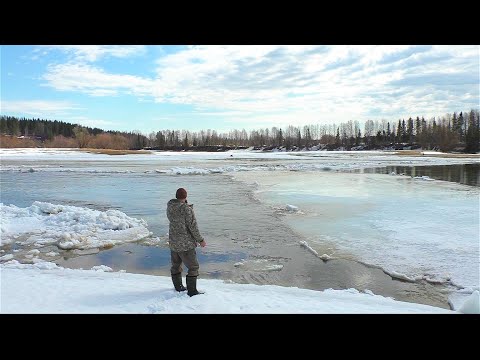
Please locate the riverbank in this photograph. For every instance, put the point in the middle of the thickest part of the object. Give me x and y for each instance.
(420, 153)
(30, 289)
(115, 152)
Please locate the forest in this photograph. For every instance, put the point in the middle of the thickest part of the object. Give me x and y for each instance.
(457, 132)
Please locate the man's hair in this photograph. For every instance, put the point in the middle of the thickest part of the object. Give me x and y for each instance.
(181, 194)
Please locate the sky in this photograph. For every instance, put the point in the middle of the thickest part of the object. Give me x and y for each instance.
(33, 288)
(152, 88)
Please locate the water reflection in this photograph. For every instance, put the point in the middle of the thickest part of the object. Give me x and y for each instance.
(137, 258)
(468, 174)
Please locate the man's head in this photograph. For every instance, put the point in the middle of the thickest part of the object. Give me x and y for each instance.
(181, 194)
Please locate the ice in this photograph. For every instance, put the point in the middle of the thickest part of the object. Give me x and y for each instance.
(68, 227)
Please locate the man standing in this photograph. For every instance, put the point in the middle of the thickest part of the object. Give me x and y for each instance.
(183, 238)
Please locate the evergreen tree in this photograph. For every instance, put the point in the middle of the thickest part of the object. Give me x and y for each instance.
(460, 126)
(410, 130)
(472, 136)
(15, 129)
(3, 126)
(399, 131)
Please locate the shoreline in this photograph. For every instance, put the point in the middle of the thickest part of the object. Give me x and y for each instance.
(300, 269)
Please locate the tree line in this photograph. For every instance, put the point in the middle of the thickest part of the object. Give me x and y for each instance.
(23, 132)
(457, 131)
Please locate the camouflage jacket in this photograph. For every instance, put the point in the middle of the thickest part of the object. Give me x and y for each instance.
(183, 231)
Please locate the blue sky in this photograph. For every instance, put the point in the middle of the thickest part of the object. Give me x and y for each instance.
(150, 88)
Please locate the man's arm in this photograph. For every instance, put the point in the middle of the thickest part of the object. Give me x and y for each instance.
(192, 225)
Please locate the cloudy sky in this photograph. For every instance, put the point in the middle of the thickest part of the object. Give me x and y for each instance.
(149, 88)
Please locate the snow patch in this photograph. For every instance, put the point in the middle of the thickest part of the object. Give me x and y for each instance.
(102, 268)
(291, 208)
(155, 241)
(6, 257)
(325, 257)
(68, 227)
(425, 178)
(400, 276)
(471, 305)
(259, 265)
(39, 264)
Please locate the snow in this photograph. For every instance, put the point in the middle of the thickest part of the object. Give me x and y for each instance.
(40, 160)
(68, 227)
(308, 247)
(291, 208)
(425, 178)
(34, 288)
(324, 257)
(471, 305)
(102, 268)
(259, 265)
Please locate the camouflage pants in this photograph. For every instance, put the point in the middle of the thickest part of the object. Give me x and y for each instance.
(189, 258)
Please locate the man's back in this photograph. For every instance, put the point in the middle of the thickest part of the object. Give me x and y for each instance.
(183, 232)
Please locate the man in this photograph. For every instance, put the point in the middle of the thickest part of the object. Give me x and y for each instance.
(183, 238)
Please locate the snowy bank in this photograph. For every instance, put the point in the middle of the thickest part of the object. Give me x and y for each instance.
(68, 227)
(34, 288)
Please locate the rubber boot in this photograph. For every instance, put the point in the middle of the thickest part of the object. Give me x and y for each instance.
(177, 282)
(192, 286)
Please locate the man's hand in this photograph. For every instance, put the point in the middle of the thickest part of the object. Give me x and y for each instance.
(203, 243)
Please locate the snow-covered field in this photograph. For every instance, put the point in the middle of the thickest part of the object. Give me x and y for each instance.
(47, 288)
(416, 229)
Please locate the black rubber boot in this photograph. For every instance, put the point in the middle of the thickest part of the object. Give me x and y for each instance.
(177, 282)
(192, 286)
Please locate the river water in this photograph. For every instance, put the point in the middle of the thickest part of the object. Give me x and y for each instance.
(373, 225)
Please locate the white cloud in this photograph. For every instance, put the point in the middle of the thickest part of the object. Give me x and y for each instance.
(294, 84)
(221, 77)
(37, 108)
(95, 52)
(94, 81)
